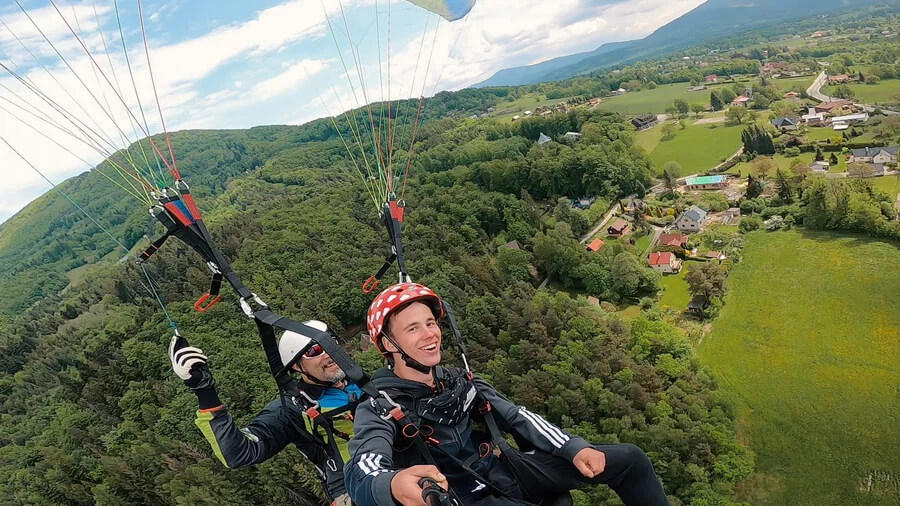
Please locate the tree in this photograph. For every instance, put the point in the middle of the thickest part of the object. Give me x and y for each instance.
(785, 186)
(820, 156)
(843, 91)
(697, 109)
(736, 114)
(715, 100)
(681, 106)
(749, 224)
(888, 128)
(860, 169)
(756, 140)
(708, 279)
(754, 187)
(668, 131)
(670, 175)
(763, 166)
(833, 159)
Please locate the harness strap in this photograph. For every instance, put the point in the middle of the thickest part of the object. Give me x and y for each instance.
(372, 283)
(153, 248)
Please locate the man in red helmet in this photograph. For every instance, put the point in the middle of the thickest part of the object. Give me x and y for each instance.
(422, 427)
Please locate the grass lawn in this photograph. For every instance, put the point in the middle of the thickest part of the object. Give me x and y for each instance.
(655, 101)
(698, 148)
(629, 313)
(675, 288)
(649, 139)
(641, 243)
(884, 91)
(506, 110)
(784, 162)
(889, 184)
(794, 83)
(806, 348)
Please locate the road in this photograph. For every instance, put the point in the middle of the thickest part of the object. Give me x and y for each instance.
(815, 91)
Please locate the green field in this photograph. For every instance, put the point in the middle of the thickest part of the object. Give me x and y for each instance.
(889, 184)
(655, 101)
(885, 91)
(506, 110)
(807, 348)
(675, 289)
(784, 162)
(696, 148)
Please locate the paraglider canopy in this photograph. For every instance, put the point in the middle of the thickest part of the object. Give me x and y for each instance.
(451, 10)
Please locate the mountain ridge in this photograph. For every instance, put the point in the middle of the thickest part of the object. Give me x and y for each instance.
(706, 22)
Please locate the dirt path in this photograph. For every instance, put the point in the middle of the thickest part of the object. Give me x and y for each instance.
(710, 121)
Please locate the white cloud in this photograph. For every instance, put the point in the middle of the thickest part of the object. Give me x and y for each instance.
(497, 34)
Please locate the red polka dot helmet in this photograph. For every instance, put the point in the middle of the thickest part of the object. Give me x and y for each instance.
(394, 298)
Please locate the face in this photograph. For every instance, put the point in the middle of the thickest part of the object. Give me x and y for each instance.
(322, 368)
(416, 331)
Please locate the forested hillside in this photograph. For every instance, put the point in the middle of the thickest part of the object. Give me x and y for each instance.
(90, 412)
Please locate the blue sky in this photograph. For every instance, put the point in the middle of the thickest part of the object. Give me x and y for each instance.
(230, 64)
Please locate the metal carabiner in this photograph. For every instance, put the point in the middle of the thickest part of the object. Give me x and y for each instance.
(245, 305)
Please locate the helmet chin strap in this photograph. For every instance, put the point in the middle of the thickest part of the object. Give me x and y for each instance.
(409, 361)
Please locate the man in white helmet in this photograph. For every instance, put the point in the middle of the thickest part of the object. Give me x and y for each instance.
(320, 435)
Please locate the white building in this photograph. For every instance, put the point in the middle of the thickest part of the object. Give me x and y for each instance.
(692, 220)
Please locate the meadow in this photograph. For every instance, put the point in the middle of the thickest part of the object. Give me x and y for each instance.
(784, 162)
(697, 148)
(887, 90)
(806, 348)
(655, 101)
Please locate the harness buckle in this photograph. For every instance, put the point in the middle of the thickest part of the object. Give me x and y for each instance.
(396, 411)
(245, 304)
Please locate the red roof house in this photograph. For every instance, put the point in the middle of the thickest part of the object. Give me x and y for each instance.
(674, 240)
(595, 245)
(665, 262)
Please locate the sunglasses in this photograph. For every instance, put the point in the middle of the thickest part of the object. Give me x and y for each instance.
(314, 351)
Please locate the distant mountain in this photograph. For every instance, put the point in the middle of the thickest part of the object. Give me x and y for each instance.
(534, 73)
(711, 20)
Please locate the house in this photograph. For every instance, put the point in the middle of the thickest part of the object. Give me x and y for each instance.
(620, 91)
(818, 34)
(698, 305)
(813, 119)
(786, 123)
(772, 67)
(595, 245)
(572, 136)
(851, 119)
(705, 183)
(732, 213)
(619, 228)
(820, 167)
(791, 94)
(513, 245)
(741, 101)
(527, 113)
(543, 139)
(516, 118)
(874, 155)
(715, 255)
(839, 79)
(594, 101)
(834, 105)
(696, 88)
(692, 220)
(677, 240)
(839, 127)
(712, 78)
(665, 262)
(645, 121)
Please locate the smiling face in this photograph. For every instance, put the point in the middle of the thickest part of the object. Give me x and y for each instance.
(415, 329)
(322, 368)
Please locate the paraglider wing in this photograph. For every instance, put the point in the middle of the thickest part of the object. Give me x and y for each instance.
(451, 10)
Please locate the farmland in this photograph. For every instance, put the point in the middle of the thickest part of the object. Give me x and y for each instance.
(806, 347)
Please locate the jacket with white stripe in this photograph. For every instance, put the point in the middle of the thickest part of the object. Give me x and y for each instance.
(378, 450)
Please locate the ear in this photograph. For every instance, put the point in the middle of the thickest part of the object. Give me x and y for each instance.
(388, 345)
(296, 368)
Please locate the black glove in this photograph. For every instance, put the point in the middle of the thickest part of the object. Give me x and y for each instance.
(189, 364)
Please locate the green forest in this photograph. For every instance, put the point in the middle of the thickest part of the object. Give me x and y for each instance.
(91, 413)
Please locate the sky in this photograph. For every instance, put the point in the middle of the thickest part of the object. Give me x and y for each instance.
(68, 99)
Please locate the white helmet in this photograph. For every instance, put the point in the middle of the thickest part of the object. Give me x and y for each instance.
(292, 343)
